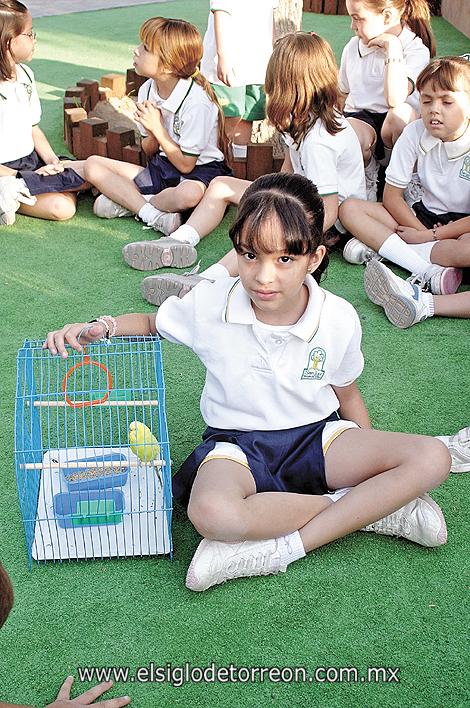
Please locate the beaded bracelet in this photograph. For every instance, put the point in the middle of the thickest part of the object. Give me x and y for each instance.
(434, 229)
(105, 320)
(393, 59)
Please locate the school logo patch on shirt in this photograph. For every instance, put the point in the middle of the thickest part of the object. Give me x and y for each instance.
(315, 365)
(465, 171)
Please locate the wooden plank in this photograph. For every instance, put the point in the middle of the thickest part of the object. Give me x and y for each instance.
(117, 139)
(92, 89)
(259, 160)
(132, 154)
(100, 146)
(76, 147)
(342, 10)
(239, 167)
(90, 128)
(329, 7)
(72, 116)
(115, 82)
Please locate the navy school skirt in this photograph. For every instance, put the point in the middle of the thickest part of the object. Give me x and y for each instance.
(160, 173)
(280, 460)
(66, 181)
(428, 219)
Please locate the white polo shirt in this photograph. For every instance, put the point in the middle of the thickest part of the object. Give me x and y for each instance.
(443, 168)
(189, 116)
(333, 163)
(20, 110)
(249, 43)
(250, 385)
(362, 72)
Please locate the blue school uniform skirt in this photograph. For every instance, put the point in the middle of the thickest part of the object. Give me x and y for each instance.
(66, 181)
(280, 460)
(160, 173)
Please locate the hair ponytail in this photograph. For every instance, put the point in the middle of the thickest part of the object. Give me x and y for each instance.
(223, 142)
(418, 18)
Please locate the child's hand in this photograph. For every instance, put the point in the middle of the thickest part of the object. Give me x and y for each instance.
(389, 43)
(411, 235)
(225, 71)
(88, 698)
(149, 116)
(53, 168)
(70, 334)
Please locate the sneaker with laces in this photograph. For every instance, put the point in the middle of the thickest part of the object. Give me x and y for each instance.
(166, 222)
(13, 192)
(459, 448)
(372, 178)
(420, 521)
(158, 288)
(402, 301)
(357, 252)
(441, 280)
(105, 208)
(215, 562)
(163, 253)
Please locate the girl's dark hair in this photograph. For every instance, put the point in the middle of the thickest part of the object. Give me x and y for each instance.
(12, 22)
(6, 595)
(289, 201)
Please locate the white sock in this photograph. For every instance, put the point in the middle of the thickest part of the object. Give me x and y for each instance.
(148, 197)
(186, 234)
(149, 213)
(396, 250)
(214, 272)
(336, 495)
(291, 548)
(239, 150)
(428, 300)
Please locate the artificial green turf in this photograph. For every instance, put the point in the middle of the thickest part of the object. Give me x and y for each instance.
(363, 601)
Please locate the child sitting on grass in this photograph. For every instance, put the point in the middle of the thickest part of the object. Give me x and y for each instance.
(289, 461)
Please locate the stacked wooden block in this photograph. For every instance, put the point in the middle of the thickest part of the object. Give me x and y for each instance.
(87, 136)
(328, 7)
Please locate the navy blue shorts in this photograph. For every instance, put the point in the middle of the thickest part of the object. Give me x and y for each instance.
(66, 181)
(376, 121)
(160, 173)
(280, 460)
(428, 219)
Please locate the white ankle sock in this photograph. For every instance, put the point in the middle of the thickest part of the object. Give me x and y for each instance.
(239, 150)
(214, 272)
(186, 234)
(428, 300)
(396, 250)
(291, 548)
(336, 495)
(149, 213)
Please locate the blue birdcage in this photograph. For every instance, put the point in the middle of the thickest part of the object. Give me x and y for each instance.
(85, 491)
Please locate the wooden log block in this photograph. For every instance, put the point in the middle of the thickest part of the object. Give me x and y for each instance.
(72, 102)
(115, 82)
(277, 164)
(90, 129)
(259, 160)
(104, 93)
(76, 148)
(342, 10)
(330, 7)
(100, 146)
(239, 167)
(92, 90)
(315, 6)
(78, 96)
(132, 154)
(72, 116)
(133, 82)
(117, 139)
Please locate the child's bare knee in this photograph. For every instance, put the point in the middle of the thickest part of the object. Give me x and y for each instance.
(434, 460)
(61, 208)
(212, 518)
(193, 194)
(91, 165)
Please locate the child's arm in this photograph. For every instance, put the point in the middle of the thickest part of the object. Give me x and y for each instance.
(222, 31)
(453, 229)
(45, 152)
(287, 164)
(397, 86)
(126, 325)
(149, 145)
(351, 405)
(7, 171)
(330, 205)
(150, 117)
(395, 204)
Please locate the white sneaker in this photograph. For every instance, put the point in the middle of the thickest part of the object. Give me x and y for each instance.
(167, 222)
(215, 562)
(441, 280)
(158, 288)
(414, 191)
(459, 448)
(357, 252)
(162, 253)
(105, 208)
(403, 302)
(420, 521)
(13, 192)
(372, 177)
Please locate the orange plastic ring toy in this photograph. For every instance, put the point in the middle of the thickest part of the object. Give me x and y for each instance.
(96, 401)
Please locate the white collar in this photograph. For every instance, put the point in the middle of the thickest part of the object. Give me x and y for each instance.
(238, 309)
(176, 98)
(406, 36)
(454, 149)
